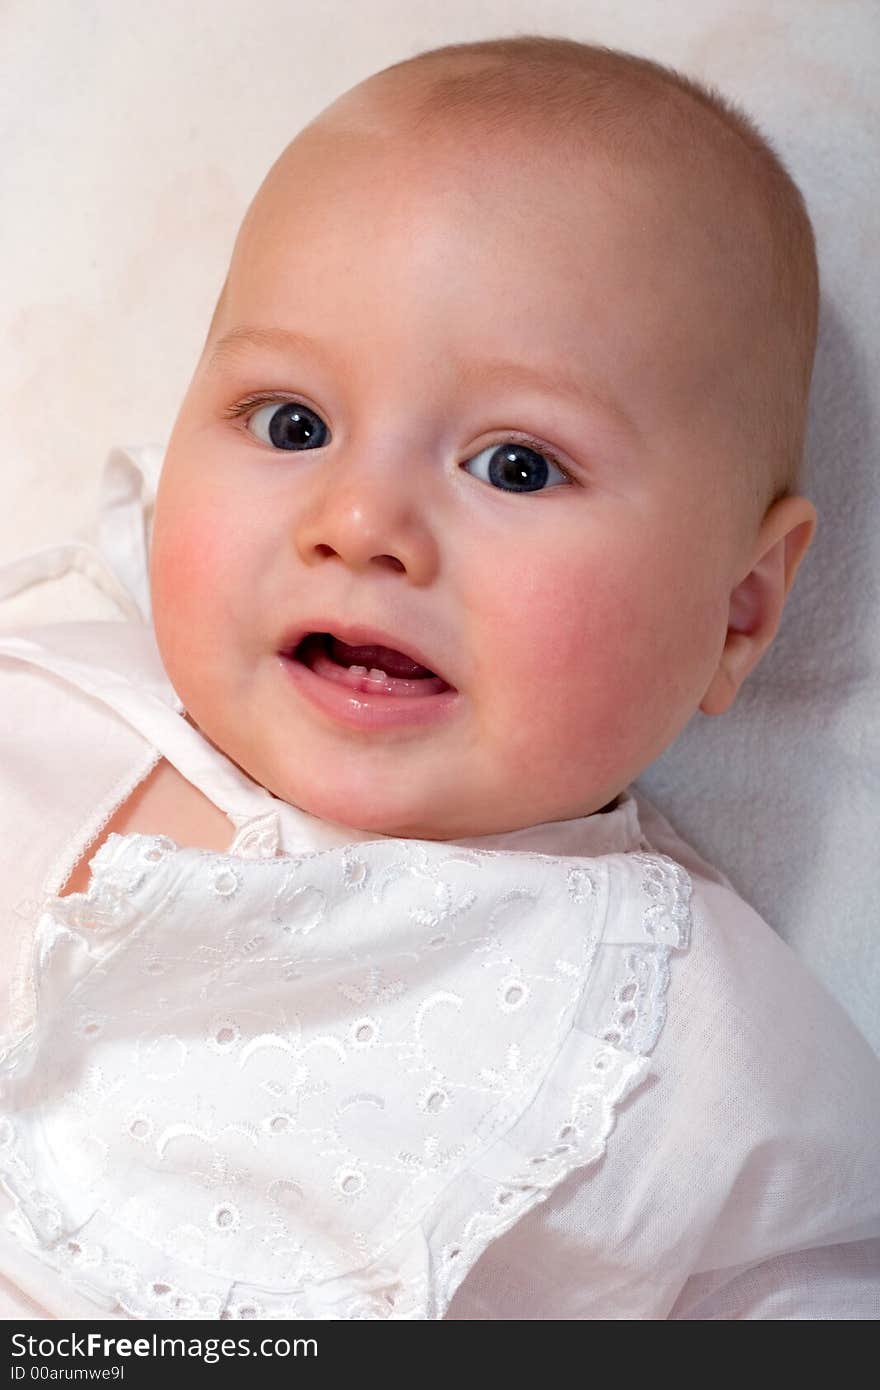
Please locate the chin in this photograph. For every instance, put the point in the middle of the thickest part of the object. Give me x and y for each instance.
(343, 807)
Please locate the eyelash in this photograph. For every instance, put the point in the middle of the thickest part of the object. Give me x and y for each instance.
(250, 404)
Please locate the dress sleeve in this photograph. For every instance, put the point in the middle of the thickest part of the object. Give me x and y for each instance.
(829, 1283)
(800, 1223)
(744, 1184)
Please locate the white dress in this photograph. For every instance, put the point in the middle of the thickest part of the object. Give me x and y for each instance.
(563, 1072)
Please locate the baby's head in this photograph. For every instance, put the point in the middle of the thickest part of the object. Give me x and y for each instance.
(510, 373)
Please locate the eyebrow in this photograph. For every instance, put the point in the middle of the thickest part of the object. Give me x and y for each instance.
(495, 372)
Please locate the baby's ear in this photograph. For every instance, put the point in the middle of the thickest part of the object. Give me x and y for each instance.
(757, 602)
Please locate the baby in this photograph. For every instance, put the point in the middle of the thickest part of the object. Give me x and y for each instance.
(545, 322)
(539, 318)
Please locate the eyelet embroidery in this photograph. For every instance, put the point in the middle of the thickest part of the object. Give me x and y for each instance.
(258, 837)
(156, 849)
(364, 1032)
(350, 1181)
(581, 885)
(223, 1034)
(281, 1123)
(299, 909)
(139, 1126)
(226, 882)
(331, 1093)
(91, 1025)
(355, 871)
(226, 1217)
(512, 994)
(433, 1099)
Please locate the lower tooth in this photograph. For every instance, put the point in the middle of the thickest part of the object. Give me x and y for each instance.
(357, 670)
(377, 675)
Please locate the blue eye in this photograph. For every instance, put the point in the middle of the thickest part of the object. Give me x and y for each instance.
(513, 466)
(516, 467)
(292, 426)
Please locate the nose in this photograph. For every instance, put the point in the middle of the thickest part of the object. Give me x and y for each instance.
(369, 518)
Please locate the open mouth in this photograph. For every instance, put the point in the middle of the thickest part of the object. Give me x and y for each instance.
(368, 669)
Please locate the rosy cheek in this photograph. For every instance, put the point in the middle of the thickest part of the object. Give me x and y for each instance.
(187, 559)
(188, 593)
(168, 567)
(548, 633)
(565, 640)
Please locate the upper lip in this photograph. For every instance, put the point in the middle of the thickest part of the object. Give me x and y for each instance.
(357, 635)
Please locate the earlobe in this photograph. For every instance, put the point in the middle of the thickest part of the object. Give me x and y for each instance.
(757, 601)
(736, 661)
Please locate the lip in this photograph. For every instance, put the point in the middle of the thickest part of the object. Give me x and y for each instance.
(361, 710)
(357, 635)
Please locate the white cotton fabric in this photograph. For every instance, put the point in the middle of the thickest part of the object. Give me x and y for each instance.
(564, 1072)
(318, 1085)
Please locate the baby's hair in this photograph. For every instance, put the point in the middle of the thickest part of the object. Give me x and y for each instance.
(624, 102)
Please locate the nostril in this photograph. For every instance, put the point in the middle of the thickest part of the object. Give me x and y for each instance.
(388, 561)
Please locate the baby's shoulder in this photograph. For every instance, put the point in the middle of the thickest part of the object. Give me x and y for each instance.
(59, 744)
(69, 695)
(767, 1088)
(63, 756)
(749, 1022)
(66, 760)
(742, 982)
(164, 803)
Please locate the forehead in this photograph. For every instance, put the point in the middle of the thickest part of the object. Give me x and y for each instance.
(432, 224)
(451, 202)
(372, 233)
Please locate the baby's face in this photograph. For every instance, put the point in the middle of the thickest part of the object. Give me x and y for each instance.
(502, 451)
